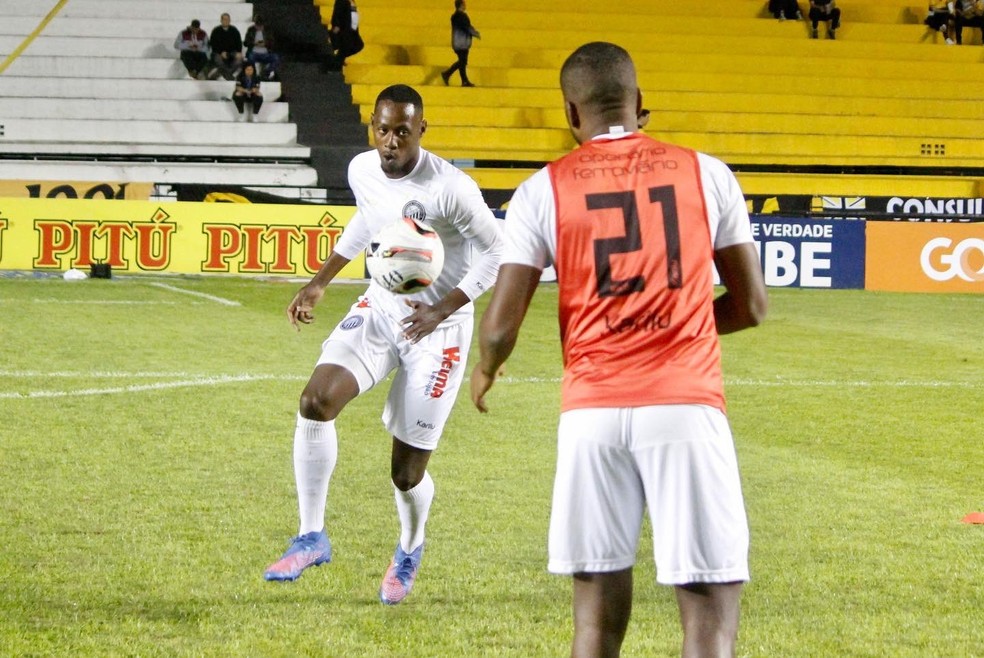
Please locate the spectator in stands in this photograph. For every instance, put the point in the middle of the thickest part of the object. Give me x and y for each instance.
(939, 18)
(820, 10)
(248, 89)
(192, 43)
(227, 49)
(345, 38)
(968, 13)
(462, 32)
(783, 9)
(259, 49)
(642, 120)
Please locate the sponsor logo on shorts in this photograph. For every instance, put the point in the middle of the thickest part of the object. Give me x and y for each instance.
(415, 210)
(351, 322)
(439, 380)
(426, 426)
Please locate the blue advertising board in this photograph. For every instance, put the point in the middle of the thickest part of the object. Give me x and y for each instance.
(799, 252)
(810, 253)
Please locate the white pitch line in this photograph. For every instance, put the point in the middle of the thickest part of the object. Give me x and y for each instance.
(136, 388)
(213, 298)
(125, 302)
(109, 374)
(806, 383)
(821, 383)
(55, 300)
(190, 380)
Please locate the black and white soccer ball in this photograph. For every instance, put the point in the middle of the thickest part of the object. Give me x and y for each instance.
(405, 256)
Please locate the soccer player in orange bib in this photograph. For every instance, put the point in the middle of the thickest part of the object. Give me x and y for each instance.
(633, 227)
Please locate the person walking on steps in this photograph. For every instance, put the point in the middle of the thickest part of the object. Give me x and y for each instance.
(462, 32)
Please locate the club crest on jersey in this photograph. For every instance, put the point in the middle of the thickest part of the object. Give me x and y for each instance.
(351, 322)
(415, 210)
(439, 380)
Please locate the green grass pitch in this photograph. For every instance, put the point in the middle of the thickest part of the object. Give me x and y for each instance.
(146, 482)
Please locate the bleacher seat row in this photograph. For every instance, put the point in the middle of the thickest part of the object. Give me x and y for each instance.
(721, 76)
(102, 82)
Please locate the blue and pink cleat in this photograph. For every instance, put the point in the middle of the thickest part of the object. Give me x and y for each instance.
(305, 551)
(399, 578)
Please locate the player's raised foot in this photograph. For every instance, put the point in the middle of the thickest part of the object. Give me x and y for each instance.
(399, 578)
(305, 551)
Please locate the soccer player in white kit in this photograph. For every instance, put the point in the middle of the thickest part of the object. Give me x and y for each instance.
(424, 336)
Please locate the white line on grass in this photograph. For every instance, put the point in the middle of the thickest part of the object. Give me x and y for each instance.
(213, 298)
(833, 383)
(134, 302)
(136, 388)
(806, 383)
(109, 374)
(186, 380)
(55, 300)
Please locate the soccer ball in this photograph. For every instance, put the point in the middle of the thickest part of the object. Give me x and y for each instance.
(405, 257)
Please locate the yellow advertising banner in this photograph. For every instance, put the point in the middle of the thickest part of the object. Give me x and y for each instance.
(923, 257)
(46, 189)
(186, 238)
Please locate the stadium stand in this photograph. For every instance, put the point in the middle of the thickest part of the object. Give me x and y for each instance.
(885, 109)
(100, 94)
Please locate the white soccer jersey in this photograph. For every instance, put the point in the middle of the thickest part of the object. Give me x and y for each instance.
(440, 196)
(531, 219)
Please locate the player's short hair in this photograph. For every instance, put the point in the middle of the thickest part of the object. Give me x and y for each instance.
(458, 3)
(599, 74)
(196, 23)
(403, 94)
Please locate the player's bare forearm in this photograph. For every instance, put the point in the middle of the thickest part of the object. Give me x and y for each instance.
(301, 308)
(745, 302)
(500, 325)
(329, 269)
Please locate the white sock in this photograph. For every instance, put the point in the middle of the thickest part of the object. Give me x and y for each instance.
(413, 506)
(315, 454)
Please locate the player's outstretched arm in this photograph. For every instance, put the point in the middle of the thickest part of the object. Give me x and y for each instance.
(500, 325)
(301, 308)
(745, 301)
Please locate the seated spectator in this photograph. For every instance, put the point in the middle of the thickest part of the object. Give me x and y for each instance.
(248, 89)
(783, 9)
(259, 49)
(939, 18)
(192, 43)
(820, 10)
(227, 49)
(968, 13)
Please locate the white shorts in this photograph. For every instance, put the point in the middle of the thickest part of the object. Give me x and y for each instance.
(679, 460)
(370, 344)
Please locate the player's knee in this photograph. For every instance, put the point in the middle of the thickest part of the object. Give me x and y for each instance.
(406, 479)
(318, 405)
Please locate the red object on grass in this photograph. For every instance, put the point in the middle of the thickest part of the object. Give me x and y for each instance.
(974, 517)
